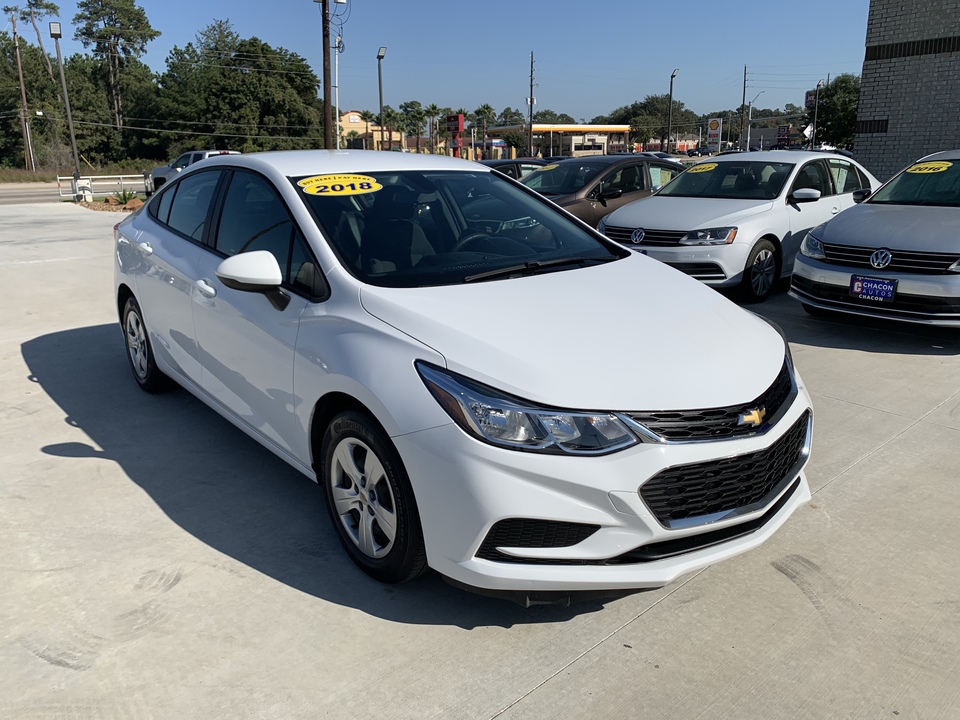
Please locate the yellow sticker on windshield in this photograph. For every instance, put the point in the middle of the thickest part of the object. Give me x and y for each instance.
(336, 185)
(934, 166)
(548, 167)
(703, 167)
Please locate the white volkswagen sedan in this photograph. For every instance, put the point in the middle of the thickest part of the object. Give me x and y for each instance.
(432, 342)
(737, 221)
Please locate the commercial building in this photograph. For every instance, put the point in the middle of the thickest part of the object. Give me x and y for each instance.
(910, 85)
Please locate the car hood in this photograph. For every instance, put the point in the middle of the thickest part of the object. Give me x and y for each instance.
(664, 212)
(901, 227)
(627, 335)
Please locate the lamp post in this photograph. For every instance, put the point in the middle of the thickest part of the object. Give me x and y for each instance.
(670, 109)
(750, 117)
(56, 34)
(380, 53)
(816, 107)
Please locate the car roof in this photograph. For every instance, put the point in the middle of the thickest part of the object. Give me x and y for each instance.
(942, 155)
(606, 159)
(294, 163)
(787, 156)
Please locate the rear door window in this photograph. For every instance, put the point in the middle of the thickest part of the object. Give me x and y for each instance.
(190, 206)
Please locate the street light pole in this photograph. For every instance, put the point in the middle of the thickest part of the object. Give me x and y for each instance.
(816, 107)
(380, 53)
(670, 109)
(750, 117)
(56, 34)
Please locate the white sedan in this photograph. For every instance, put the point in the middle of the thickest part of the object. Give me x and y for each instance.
(432, 342)
(737, 221)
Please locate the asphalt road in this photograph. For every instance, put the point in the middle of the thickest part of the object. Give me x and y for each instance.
(19, 193)
(156, 563)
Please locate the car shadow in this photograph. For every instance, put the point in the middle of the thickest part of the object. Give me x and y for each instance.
(232, 494)
(852, 332)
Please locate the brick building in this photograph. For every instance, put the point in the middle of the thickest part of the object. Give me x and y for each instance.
(910, 85)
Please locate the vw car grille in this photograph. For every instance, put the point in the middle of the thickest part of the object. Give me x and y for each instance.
(903, 261)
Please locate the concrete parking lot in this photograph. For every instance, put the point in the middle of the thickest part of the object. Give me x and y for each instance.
(156, 563)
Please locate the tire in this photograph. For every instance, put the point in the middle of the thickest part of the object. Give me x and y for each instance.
(761, 272)
(139, 351)
(370, 499)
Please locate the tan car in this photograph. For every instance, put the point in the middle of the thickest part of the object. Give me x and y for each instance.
(594, 186)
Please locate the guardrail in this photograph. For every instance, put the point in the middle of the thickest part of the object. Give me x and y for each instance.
(89, 185)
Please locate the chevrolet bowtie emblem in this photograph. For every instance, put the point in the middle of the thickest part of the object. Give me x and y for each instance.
(754, 417)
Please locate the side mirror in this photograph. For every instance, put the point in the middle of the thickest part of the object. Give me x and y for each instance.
(860, 195)
(256, 271)
(804, 195)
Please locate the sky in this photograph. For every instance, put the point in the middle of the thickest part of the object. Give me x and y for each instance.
(590, 58)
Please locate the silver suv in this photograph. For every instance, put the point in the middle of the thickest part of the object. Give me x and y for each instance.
(159, 175)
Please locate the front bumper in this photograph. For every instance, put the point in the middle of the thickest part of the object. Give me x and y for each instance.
(928, 299)
(464, 488)
(713, 265)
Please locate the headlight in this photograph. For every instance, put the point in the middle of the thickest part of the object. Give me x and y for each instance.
(710, 236)
(811, 246)
(519, 224)
(955, 267)
(602, 225)
(509, 422)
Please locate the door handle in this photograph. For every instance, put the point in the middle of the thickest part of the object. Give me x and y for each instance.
(834, 210)
(205, 288)
(121, 240)
(146, 248)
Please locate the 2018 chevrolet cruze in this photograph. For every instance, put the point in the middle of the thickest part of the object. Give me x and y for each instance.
(459, 364)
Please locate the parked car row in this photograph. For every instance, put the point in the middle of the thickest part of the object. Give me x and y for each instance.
(430, 341)
(745, 220)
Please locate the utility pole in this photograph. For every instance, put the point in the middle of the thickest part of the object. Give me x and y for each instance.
(742, 103)
(28, 162)
(327, 99)
(531, 101)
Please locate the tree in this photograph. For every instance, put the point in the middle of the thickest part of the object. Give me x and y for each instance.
(485, 115)
(433, 111)
(836, 113)
(414, 116)
(368, 116)
(552, 118)
(392, 119)
(517, 139)
(509, 116)
(32, 11)
(117, 30)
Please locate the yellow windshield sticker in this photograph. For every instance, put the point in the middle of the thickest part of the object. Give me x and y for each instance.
(704, 167)
(934, 166)
(548, 167)
(337, 185)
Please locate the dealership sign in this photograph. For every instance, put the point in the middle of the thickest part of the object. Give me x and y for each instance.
(714, 131)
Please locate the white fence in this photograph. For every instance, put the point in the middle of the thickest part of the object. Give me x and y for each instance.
(89, 185)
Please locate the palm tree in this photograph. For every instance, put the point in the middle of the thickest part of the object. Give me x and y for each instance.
(368, 116)
(392, 119)
(432, 111)
(485, 115)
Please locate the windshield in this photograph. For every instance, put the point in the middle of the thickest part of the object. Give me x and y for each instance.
(934, 182)
(756, 180)
(413, 229)
(562, 178)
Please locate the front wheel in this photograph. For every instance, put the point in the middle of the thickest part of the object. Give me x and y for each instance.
(760, 272)
(370, 499)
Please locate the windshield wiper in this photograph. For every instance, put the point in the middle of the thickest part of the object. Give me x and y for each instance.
(533, 266)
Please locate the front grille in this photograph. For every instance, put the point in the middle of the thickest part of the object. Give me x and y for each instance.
(701, 489)
(650, 237)
(907, 306)
(700, 271)
(903, 261)
(530, 533)
(720, 423)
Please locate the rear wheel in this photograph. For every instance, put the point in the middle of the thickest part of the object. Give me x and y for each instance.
(760, 273)
(139, 352)
(370, 499)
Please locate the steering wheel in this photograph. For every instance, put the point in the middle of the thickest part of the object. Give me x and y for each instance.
(482, 242)
(470, 239)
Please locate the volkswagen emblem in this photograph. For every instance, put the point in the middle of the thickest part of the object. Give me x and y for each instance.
(881, 258)
(636, 237)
